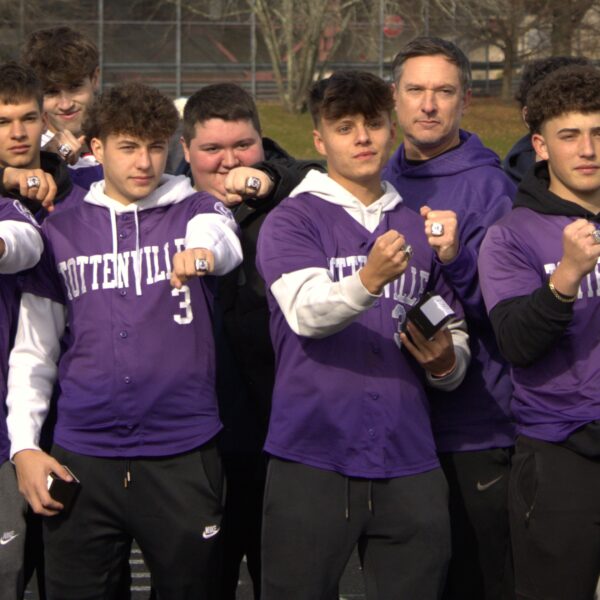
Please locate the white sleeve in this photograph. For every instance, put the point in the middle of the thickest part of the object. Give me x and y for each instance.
(316, 306)
(24, 246)
(460, 339)
(32, 369)
(218, 234)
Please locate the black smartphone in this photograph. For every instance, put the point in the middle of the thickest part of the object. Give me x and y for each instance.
(63, 491)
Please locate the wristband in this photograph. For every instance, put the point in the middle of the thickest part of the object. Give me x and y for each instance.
(561, 297)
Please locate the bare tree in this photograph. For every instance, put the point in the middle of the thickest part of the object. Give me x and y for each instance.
(297, 35)
(566, 18)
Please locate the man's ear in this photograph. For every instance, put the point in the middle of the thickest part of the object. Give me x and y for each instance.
(539, 145)
(185, 148)
(318, 141)
(97, 148)
(466, 101)
(95, 79)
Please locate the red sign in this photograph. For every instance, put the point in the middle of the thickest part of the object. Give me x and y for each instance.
(393, 26)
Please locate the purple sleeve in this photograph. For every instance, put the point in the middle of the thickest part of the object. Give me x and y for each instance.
(438, 284)
(13, 210)
(288, 241)
(461, 273)
(43, 280)
(504, 269)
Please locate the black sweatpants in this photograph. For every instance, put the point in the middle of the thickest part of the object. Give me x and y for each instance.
(555, 522)
(171, 506)
(314, 518)
(481, 563)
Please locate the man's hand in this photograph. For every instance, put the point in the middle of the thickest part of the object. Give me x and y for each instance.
(236, 188)
(33, 468)
(444, 244)
(185, 265)
(64, 141)
(580, 255)
(436, 355)
(44, 193)
(386, 261)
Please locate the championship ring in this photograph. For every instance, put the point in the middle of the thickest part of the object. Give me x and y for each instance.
(33, 182)
(201, 265)
(437, 229)
(253, 183)
(64, 150)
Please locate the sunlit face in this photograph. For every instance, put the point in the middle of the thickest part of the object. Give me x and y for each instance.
(132, 166)
(356, 148)
(65, 107)
(21, 128)
(430, 103)
(219, 146)
(571, 145)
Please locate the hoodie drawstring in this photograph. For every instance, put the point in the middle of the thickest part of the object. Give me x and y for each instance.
(137, 266)
(369, 497)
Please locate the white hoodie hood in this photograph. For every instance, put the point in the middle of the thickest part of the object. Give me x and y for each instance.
(321, 185)
(171, 190)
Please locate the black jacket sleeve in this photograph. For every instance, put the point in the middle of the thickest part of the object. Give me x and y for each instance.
(527, 326)
(286, 173)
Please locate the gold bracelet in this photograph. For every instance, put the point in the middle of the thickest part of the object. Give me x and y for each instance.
(561, 297)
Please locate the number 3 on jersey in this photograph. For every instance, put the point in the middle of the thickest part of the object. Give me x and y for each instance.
(186, 316)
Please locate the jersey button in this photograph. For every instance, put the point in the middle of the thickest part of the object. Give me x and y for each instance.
(371, 433)
(127, 379)
(123, 334)
(374, 396)
(123, 292)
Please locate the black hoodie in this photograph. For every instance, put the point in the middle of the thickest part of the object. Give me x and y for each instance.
(541, 312)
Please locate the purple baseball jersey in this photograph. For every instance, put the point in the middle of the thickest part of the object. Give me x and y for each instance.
(137, 376)
(10, 294)
(558, 393)
(351, 402)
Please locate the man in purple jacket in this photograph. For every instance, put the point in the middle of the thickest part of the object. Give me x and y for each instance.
(459, 188)
(129, 270)
(540, 276)
(353, 457)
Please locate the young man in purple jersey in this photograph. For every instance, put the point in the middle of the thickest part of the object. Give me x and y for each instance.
(130, 270)
(540, 276)
(66, 62)
(458, 186)
(353, 459)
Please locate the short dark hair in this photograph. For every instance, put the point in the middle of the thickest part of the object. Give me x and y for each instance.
(349, 93)
(60, 56)
(18, 83)
(226, 101)
(568, 89)
(131, 108)
(536, 70)
(434, 46)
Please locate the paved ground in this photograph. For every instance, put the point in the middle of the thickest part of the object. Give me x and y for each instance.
(351, 587)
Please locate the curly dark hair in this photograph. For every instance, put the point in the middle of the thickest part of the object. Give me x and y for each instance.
(60, 56)
(131, 108)
(349, 93)
(568, 89)
(538, 69)
(226, 101)
(18, 83)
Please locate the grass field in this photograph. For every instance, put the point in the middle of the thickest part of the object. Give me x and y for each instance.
(497, 123)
